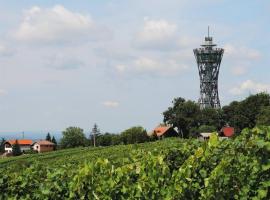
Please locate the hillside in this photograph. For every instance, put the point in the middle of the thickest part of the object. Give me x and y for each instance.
(168, 169)
(115, 154)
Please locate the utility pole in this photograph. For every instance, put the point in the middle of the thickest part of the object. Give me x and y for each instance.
(95, 132)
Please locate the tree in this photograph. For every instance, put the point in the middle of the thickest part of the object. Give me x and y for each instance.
(94, 134)
(2, 146)
(194, 132)
(263, 118)
(206, 129)
(211, 117)
(55, 142)
(104, 139)
(136, 134)
(252, 106)
(244, 114)
(48, 137)
(73, 137)
(233, 116)
(183, 114)
(188, 117)
(16, 149)
(116, 139)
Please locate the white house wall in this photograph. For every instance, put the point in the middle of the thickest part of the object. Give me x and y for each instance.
(23, 148)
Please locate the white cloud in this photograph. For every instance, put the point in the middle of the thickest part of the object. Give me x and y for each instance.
(156, 34)
(157, 30)
(241, 52)
(250, 86)
(163, 35)
(111, 104)
(146, 65)
(56, 24)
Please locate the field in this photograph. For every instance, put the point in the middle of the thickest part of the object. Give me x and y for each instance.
(167, 169)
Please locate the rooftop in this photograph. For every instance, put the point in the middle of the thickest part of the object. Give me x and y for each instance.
(44, 142)
(20, 142)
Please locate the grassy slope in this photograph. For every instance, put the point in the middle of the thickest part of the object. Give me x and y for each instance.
(174, 169)
(82, 154)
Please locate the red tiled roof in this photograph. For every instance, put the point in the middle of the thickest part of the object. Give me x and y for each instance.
(228, 131)
(160, 130)
(20, 142)
(44, 142)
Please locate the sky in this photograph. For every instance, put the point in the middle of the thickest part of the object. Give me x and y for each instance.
(120, 63)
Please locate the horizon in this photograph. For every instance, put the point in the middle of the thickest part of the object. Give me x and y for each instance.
(58, 133)
(120, 64)
(33, 135)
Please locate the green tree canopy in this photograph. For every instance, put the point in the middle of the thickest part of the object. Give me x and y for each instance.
(211, 117)
(116, 139)
(73, 137)
(16, 149)
(243, 114)
(188, 117)
(104, 139)
(263, 118)
(206, 129)
(183, 114)
(136, 134)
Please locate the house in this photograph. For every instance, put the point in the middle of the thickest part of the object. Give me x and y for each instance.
(204, 136)
(227, 131)
(164, 131)
(25, 145)
(43, 146)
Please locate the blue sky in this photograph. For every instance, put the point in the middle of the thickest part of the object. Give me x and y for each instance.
(120, 63)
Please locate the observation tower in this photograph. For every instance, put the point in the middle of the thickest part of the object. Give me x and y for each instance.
(208, 59)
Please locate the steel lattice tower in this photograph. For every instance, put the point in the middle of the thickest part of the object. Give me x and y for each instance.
(208, 60)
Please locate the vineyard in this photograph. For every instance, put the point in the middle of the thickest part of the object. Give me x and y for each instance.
(167, 169)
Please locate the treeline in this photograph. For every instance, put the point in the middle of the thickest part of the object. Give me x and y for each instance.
(190, 120)
(187, 117)
(74, 137)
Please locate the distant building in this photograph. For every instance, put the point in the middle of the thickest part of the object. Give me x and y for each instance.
(227, 131)
(43, 146)
(204, 136)
(25, 145)
(164, 131)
